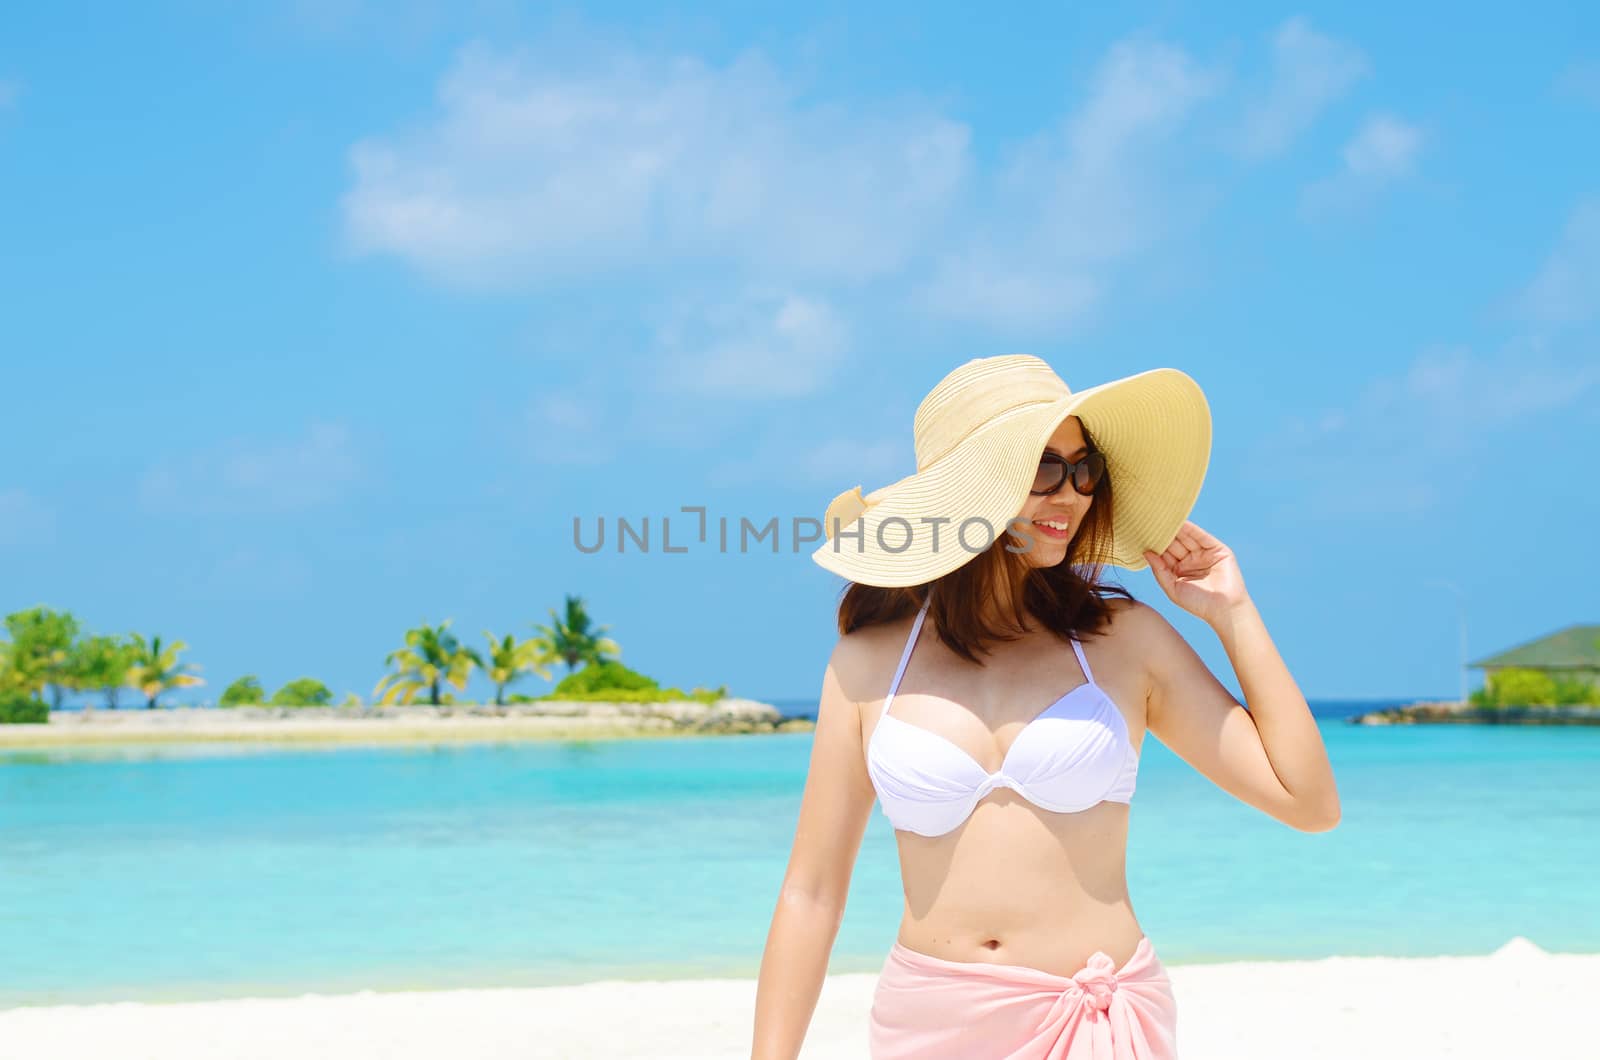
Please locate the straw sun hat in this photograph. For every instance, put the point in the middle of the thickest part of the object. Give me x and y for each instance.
(979, 434)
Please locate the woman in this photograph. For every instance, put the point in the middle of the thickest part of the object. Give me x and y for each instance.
(973, 603)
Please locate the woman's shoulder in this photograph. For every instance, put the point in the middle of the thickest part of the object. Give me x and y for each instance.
(863, 660)
(1131, 619)
(865, 647)
(1140, 632)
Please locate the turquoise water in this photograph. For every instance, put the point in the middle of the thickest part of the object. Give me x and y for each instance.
(205, 872)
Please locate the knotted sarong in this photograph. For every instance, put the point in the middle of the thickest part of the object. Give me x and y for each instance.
(929, 1008)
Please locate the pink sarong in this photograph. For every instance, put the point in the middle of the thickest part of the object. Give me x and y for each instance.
(935, 1009)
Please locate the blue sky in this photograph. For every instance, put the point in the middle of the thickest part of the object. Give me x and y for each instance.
(323, 319)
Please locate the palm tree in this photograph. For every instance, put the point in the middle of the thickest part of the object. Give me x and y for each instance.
(103, 663)
(17, 675)
(572, 638)
(156, 669)
(432, 655)
(509, 660)
(42, 640)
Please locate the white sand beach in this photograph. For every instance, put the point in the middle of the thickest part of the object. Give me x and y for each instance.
(552, 720)
(1519, 1001)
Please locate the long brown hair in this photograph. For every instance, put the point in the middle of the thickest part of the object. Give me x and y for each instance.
(1068, 598)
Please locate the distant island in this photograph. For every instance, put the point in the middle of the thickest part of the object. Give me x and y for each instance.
(418, 699)
(1554, 680)
(1455, 712)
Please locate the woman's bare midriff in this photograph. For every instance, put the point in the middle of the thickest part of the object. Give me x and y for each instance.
(1011, 886)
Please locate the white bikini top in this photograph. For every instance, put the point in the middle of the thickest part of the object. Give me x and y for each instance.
(1074, 755)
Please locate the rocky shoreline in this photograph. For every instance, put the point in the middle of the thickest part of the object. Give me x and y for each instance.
(1448, 712)
(544, 720)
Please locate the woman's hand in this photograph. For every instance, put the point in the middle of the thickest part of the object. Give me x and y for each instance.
(1199, 574)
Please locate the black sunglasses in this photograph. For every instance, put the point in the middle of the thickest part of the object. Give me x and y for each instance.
(1055, 470)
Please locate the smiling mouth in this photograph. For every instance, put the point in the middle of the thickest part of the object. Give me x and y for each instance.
(1057, 528)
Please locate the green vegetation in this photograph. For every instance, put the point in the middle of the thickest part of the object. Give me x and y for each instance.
(1513, 687)
(40, 652)
(510, 659)
(156, 669)
(609, 675)
(246, 691)
(47, 650)
(572, 638)
(611, 681)
(431, 657)
(48, 655)
(101, 664)
(17, 708)
(303, 692)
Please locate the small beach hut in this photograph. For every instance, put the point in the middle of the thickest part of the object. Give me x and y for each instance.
(1572, 652)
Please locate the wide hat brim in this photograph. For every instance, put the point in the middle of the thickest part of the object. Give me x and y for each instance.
(1153, 427)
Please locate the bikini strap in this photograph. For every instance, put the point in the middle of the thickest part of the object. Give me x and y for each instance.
(905, 656)
(1083, 662)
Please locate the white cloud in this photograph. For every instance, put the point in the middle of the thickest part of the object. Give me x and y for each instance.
(1458, 394)
(240, 476)
(549, 169)
(1075, 200)
(764, 344)
(529, 171)
(24, 518)
(1566, 289)
(1384, 150)
(1409, 437)
(1310, 71)
(1087, 180)
(529, 174)
(984, 286)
